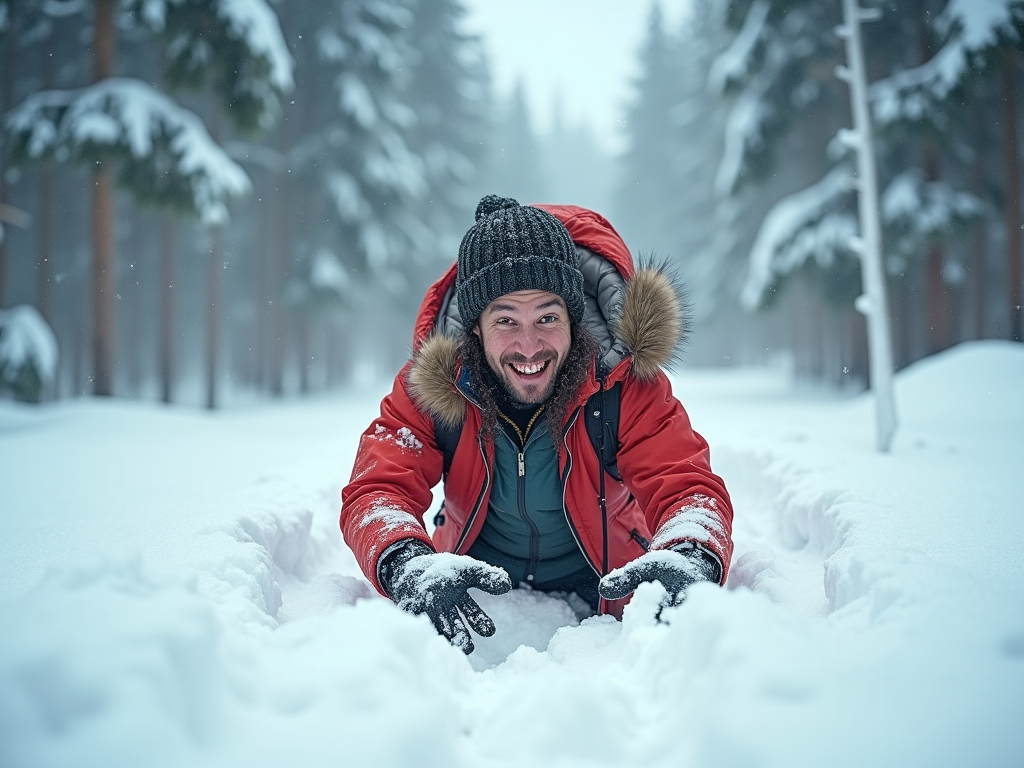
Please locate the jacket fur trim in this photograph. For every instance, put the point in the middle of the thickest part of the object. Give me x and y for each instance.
(650, 324)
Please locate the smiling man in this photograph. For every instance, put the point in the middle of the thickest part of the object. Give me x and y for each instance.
(536, 393)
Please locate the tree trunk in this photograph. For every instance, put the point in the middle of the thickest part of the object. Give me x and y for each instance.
(977, 295)
(44, 226)
(168, 248)
(873, 303)
(938, 301)
(44, 218)
(264, 232)
(279, 332)
(10, 78)
(103, 222)
(1013, 224)
(216, 265)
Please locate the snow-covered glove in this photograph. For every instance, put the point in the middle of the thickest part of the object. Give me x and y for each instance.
(676, 568)
(420, 580)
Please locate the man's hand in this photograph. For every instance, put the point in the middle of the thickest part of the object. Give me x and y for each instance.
(420, 580)
(676, 569)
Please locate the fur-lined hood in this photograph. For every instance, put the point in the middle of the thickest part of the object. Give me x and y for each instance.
(639, 325)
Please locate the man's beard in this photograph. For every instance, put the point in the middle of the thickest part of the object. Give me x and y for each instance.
(573, 371)
(504, 378)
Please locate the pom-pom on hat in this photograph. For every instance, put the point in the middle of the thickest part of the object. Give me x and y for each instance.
(515, 247)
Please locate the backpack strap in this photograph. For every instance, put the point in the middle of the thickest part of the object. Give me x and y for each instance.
(447, 438)
(601, 415)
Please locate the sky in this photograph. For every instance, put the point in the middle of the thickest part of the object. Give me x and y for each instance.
(581, 50)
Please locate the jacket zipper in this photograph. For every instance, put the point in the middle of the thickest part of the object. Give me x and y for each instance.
(479, 499)
(531, 569)
(565, 482)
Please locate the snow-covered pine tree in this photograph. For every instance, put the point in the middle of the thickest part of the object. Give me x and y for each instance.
(28, 354)
(971, 45)
(349, 162)
(448, 92)
(578, 169)
(784, 108)
(702, 223)
(513, 165)
(782, 62)
(235, 50)
(141, 139)
(648, 189)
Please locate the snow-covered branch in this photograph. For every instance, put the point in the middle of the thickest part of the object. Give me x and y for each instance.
(737, 61)
(805, 225)
(974, 27)
(163, 151)
(28, 353)
(916, 211)
(252, 23)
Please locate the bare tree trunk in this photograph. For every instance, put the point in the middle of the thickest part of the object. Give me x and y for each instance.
(1013, 224)
(873, 303)
(103, 222)
(977, 294)
(216, 265)
(279, 331)
(10, 78)
(44, 218)
(132, 305)
(168, 248)
(262, 329)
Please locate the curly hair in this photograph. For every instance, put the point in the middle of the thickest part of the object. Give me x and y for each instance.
(574, 372)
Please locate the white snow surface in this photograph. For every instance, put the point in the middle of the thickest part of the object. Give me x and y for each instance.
(174, 591)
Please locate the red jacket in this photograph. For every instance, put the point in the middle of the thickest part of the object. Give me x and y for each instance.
(668, 494)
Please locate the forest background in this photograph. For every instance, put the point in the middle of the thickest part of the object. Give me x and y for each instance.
(213, 201)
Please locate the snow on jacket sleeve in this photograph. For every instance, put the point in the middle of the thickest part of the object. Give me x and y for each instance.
(666, 465)
(396, 466)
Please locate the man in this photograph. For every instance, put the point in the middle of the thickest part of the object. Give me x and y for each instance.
(518, 351)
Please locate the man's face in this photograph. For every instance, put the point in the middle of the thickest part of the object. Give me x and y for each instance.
(526, 337)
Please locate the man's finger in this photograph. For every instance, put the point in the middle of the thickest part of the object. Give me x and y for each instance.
(450, 624)
(488, 578)
(478, 621)
(619, 583)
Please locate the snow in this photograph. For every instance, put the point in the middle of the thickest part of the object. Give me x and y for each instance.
(26, 338)
(173, 591)
(692, 522)
(129, 115)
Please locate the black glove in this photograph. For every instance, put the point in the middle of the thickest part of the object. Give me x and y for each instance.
(420, 580)
(675, 568)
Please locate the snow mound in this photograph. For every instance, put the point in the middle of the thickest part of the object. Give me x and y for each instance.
(872, 616)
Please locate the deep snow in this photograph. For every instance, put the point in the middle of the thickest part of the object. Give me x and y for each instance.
(173, 591)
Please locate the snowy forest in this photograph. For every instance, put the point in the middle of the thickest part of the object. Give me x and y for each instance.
(207, 201)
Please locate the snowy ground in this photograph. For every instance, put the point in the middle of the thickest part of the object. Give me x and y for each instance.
(173, 591)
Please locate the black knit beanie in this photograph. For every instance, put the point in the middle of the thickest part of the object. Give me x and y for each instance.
(515, 247)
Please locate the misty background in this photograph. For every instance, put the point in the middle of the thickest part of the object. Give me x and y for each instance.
(210, 202)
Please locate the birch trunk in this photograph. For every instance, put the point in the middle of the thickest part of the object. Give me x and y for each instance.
(1013, 224)
(873, 302)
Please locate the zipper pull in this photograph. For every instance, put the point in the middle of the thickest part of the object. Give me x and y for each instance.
(522, 465)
